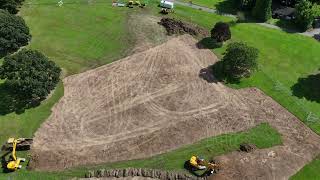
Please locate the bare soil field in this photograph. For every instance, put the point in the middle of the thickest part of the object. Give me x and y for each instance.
(153, 102)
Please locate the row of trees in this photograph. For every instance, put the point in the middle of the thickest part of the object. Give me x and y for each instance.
(28, 74)
(306, 10)
(239, 61)
(260, 9)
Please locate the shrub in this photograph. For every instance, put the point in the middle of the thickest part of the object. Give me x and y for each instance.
(246, 4)
(262, 10)
(10, 5)
(14, 33)
(30, 74)
(239, 61)
(306, 12)
(221, 32)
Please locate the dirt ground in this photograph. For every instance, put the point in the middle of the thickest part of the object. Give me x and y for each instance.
(153, 102)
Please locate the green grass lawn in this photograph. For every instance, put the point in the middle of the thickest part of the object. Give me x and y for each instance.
(225, 6)
(310, 171)
(78, 35)
(263, 136)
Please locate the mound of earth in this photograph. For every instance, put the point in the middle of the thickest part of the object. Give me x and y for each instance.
(153, 102)
(178, 27)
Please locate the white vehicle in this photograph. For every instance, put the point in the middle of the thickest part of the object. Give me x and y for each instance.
(166, 4)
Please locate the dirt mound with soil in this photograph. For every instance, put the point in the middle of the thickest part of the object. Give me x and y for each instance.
(154, 102)
(178, 27)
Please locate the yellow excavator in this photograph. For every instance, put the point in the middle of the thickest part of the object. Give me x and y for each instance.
(198, 163)
(13, 145)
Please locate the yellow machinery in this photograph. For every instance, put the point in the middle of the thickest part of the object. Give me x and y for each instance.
(198, 163)
(132, 3)
(13, 145)
(14, 164)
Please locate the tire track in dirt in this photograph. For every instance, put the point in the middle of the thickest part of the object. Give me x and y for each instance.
(147, 104)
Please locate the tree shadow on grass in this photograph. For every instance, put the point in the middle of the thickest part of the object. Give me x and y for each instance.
(215, 74)
(13, 102)
(308, 87)
(208, 43)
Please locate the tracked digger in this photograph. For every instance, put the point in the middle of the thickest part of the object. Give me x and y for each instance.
(197, 163)
(12, 145)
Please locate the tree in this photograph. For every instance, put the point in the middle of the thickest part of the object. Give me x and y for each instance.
(304, 14)
(221, 32)
(262, 10)
(246, 4)
(239, 61)
(10, 5)
(30, 74)
(14, 33)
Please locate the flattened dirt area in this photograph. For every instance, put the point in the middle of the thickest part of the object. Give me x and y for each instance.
(153, 102)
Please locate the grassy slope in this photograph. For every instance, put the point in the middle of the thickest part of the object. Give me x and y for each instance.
(77, 35)
(263, 136)
(310, 171)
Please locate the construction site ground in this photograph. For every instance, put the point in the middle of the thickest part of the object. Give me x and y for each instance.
(154, 101)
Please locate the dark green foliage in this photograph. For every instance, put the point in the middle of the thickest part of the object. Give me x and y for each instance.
(221, 32)
(11, 5)
(30, 75)
(14, 33)
(305, 14)
(246, 4)
(239, 61)
(262, 10)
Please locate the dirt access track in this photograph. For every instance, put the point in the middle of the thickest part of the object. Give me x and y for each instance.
(153, 102)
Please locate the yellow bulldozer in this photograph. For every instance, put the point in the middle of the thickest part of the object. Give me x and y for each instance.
(11, 146)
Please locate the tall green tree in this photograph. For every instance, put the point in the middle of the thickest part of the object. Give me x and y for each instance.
(306, 12)
(11, 6)
(14, 33)
(30, 74)
(262, 10)
(240, 60)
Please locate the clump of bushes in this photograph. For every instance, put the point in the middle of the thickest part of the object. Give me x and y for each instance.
(306, 12)
(11, 6)
(30, 74)
(14, 33)
(221, 32)
(262, 10)
(240, 60)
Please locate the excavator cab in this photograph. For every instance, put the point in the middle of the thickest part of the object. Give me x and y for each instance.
(197, 163)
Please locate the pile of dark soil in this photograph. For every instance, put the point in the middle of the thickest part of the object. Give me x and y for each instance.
(247, 147)
(178, 27)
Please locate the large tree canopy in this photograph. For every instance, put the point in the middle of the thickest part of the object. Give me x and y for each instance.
(30, 74)
(14, 33)
(240, 60)
(11, 5)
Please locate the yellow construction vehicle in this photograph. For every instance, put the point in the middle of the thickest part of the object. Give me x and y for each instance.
(132, 3)
(13, 145)
(198, 163)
